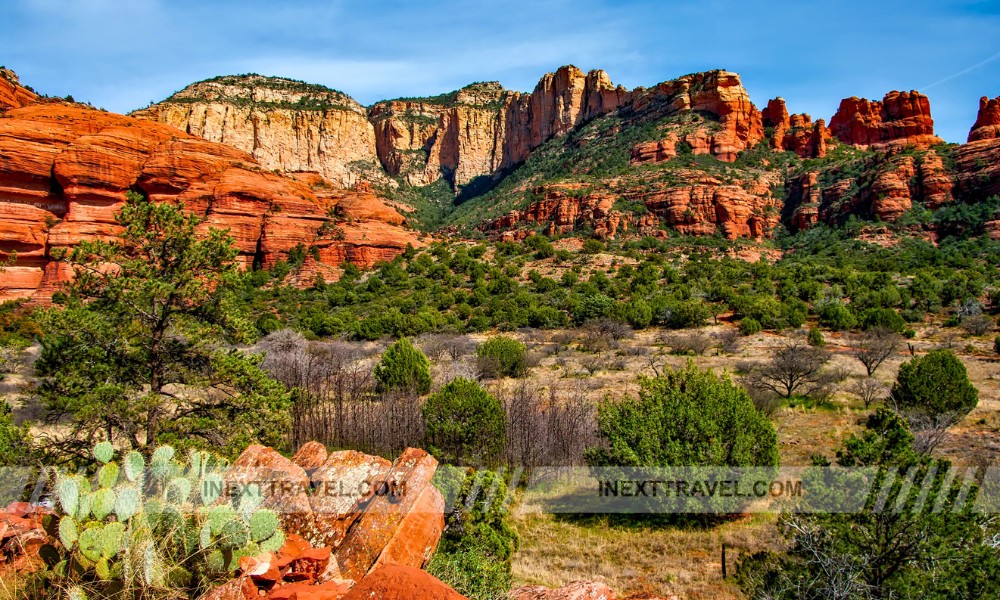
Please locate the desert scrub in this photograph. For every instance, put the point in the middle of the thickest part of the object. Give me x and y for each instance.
(159, 529)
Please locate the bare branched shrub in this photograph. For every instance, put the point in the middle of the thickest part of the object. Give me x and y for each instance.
(615, 329)
(604, 334)
(873, 347)
(729, 340)
(976, 324)
(438, 346)
(549, 431)
(869, 390)
(11, 360)
(335, 399)
(594, 363)
(929, 430)
(637, 351)
(764, 400)
(696, 343)
(795, 369)
(564, 339)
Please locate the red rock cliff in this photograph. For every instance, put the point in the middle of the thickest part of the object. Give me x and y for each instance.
(559, 103)
(795, 133)
(457, 136)
(901, 118)
(987, 126)
(65, 168)
(12, 94)
(721, 95)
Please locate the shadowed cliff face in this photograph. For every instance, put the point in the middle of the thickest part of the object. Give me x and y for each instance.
(65, 168)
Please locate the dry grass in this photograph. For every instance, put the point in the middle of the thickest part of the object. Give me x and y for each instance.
(636, 558)
(686, 562)
(667, 559)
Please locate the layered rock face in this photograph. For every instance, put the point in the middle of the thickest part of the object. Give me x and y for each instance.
(65, 168)
(901, 118)
(891, 186)
(284, 124)
(365, 511)
(559, 103)
(722, 96)
(702, 205)
(987, 125)
(12, 93)
(459, 136)
(795, 133)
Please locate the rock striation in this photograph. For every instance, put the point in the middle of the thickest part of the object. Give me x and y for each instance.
(65, 168)
(12, 93)
(987, 125)
(901, 119)
(356, 526)
(795, 133)
(284, 124)
(458, 136)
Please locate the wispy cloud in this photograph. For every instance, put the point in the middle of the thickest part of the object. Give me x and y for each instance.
(123, 54)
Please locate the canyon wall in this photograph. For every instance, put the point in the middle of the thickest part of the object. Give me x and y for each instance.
(65, 169)
(284, 124)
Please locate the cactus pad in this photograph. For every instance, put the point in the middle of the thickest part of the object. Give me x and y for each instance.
(104, 452)
(263, 524)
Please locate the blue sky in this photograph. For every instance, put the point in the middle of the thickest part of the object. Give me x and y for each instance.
(122, 54)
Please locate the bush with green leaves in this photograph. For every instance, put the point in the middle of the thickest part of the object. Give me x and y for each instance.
(916, 529)
(837, 317)
(815, 338)
(15, 441)
(883, 318)
(503, 356)
(403, 367)
(138, 530)
(464, 424)
(935, 385)
(684, 417)
(477, 546)
(749, 326)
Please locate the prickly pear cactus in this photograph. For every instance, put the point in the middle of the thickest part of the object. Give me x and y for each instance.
(165, 522)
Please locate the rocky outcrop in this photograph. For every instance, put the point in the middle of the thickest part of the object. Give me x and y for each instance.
(703, 205)
(395, 582)
(987, 125)
(65, 169)
(566, 208)
(364, 510)
(900, 119)
(284, 124)
(458, 136)
(794, 133)
(12, 93)
(559, 103)
(22, 535)
(890, 185)
(737, 124)
(977, 169)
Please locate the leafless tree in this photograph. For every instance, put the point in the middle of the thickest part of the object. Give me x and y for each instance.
(594, 363)
(728, 340)
(604, 334)
(874, 347)
(976, 324)
(335, 399)
(446, 345)
(550, 431)
(795, 368)
(688, 343)
(869, 390)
